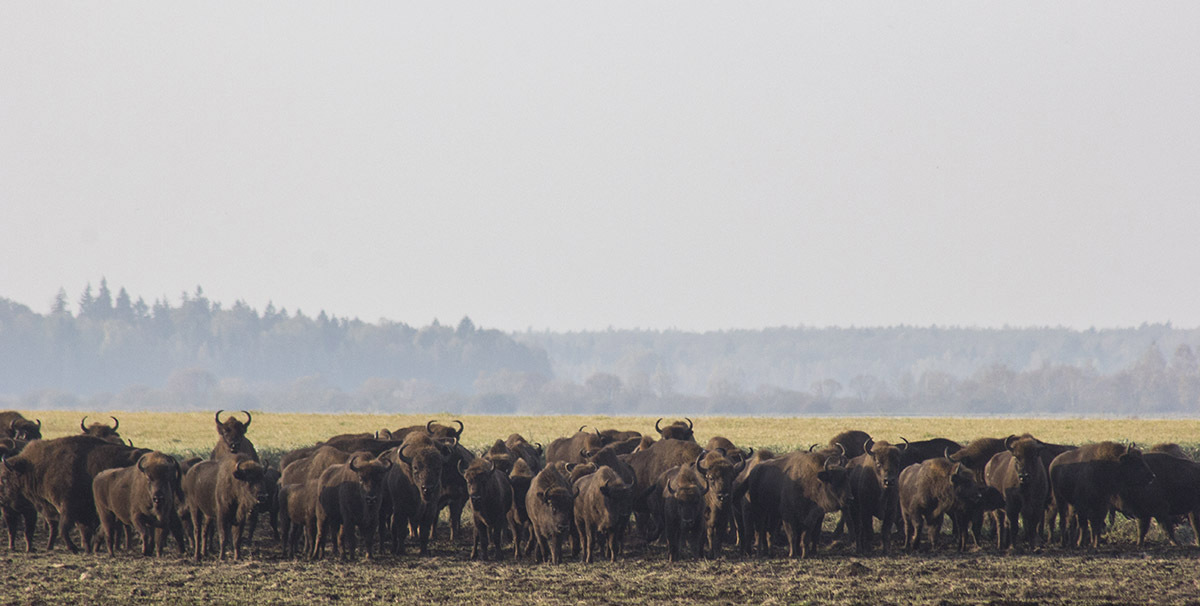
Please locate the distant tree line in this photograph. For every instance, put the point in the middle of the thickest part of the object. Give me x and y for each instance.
(117, 353)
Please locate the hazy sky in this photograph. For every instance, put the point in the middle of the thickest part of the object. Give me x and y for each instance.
(574, 166)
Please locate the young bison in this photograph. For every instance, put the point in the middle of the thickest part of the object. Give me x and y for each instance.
(550, 504)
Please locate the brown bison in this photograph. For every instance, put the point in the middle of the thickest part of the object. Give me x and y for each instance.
(1084, 482)
(1021, 477)
(348, 499)
(576, 448)
(415, 487)
(851, 443)
(532, 453)
(223, 493)
(432, 428)
(102, 431)
(728, 449)
(683, 507)
(796, 491)
(143, 497)
(1174, 492)
(56, 476)
(874, 489)
(232, 437)
(603, 504)
(500, 456)
(739, 504)
(676, 431)
(308, 468)
(14, 425)
(298, 512)
(1172, 449)
(923, 450)
(929, 492)
(520, 478)
(491, 500)
(620, 435)
(550, 504)
(720, 472)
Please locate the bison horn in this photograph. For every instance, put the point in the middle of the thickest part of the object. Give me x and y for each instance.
(39, 423)
(352, 467)
(957, 467)
(598, 432)
(1008, 442)
(748, 454)
(130, 443)
(706, 486)
(141, 460)
(7, 465)
(116, 423)
(248, 417)
(460, 427)
(83, 423)
(737, 469)
(812, 448)
(656, 425)
(462, 469)
(581, 427)
(540, 449)
(429, 426)
(689, 422)
(670, 489)
(904, 446)
(400, 455)
(842, 447)
(868, 445)
(217, 416)
(700, 463)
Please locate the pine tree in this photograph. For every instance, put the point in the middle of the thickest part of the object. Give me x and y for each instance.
(59, 308)
(86, 301)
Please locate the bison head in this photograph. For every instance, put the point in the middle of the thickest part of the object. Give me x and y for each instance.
(251, 479)
(834, 491)
(1132, 470)
(426, 463)
(1026, 456)
(162, 478)
(372, 473)
(561, 506)
(478, 475)
(618, 497)
(438, 430)
(887, 462)
(24, 429)
(684, 489)
(102, 431)
(676, 431)
(232, 431)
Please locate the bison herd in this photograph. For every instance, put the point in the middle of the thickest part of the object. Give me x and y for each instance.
(388, 488)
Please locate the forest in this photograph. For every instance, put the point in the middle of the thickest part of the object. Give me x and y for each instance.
(109, 351)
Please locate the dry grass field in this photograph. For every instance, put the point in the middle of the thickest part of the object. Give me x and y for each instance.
(1114, 574)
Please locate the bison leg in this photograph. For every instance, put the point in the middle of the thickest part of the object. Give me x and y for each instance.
(1143, 523)
(31, 526)
(455, 518)
(498, 540)
(1168, 525)
(64, 528)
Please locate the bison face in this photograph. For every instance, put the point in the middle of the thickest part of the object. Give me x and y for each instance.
(102, 431)
(1133, 471)
(478, 475)
(561, 504)
(676, 431)
(371, 477)
(887, 463)
(427, 474)
(1026, 453)
(835, 487)
(251, 481)
(232, 431)
(24, 429)
(618, 499)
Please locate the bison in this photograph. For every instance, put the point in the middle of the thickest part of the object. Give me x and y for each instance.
(415, 488)
(603, 504)
(851, 443)
(14, 425)
(576, 448)
(683, 507)
(923, 450)
(1174, 492)
(223, 493)
(141, 496)
(298, 511)
(232, 437)
(550, 504)
(520, 478)
(874, 478)
(532, 453)
(676, 431)
(102, 431)
(796, 491)
(1084, 481)
(491, 499)
(929, 492)
(1020, 476)
(348, 499)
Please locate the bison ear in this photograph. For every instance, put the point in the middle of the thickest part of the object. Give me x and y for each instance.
(604, 490)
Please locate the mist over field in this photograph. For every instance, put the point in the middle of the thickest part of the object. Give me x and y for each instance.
(109, 350)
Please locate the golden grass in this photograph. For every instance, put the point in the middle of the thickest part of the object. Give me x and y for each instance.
(193, 432)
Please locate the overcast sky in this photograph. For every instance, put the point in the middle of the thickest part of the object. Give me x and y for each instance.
(566, 165)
